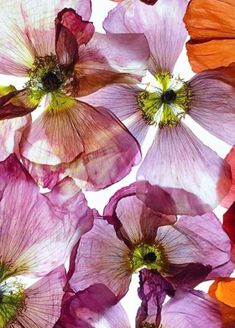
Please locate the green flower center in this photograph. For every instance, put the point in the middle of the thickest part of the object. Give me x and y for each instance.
(168, 104)
(147, 256)
(11, 297)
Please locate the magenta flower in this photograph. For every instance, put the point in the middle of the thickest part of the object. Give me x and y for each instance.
(38, 233)
(63, 58)
(96, 305)
(176, 159)
(132, 236)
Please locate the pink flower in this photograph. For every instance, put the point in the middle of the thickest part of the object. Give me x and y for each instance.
(177, 159)
(38, 233)
(133, 237)
(63, 58)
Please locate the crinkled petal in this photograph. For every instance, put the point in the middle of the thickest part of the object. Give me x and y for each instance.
(102, 259)
(92, 137)
(230, 197)
(212, 106)
(109, 58)
(212, 30)
(187, 164)
(28, 30)
(161, 24)
(94, 306)
(191, 309)
(43, 301)
(121, 99)
(43, 228)
(138, 221)
(152, 292)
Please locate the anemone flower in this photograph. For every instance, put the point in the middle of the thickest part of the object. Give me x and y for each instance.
(132, 236)
(38, 232)
(211, 26)
(177, 159)
(63, 58)
(92, 307)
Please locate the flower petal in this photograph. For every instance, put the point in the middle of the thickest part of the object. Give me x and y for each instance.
(161, 24)
(113, 270)
(152, 292)
(139, 222)
(212, 30)
(229, 199)
(109, 58)
(43, 228)
(187, 164)
(43, 301)
(228, 222)
(94, 306)
(212, 106)
(192, 309)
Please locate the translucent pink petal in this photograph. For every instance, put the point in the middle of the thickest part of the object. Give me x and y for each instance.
(88, 308)
(152, 292)
(187, 164)
(28, 30)
(212, 106)
(43, 301)
(121, 100)
(139, 222)
(102, 259)
(230, 197)
(43, 228)
(191, 309)
(107, 59)
(161, 23)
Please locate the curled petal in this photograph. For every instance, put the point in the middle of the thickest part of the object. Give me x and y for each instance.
(161, 23)
(189, 165)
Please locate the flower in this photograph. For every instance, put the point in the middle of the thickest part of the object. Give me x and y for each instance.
(177, 159)
(65, 59)
(132, 236)
(38, 232)
(96, 305)
(229, 199)
(211, 26)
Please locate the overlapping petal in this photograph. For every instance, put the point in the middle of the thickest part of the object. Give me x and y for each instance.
(187, 164)
(229, 199)
(162, 26)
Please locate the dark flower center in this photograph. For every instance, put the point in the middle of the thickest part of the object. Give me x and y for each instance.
(168, 97)
(150, 257)
(51, 81)
(149, 2)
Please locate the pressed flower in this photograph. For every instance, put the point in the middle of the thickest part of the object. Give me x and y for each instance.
(96, 305)
(211, 25)
(176, 160)
(63, 59)
(132, 236)
(38, 232)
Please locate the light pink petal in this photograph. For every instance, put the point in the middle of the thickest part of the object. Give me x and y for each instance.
(43, 228)
(43, 301)
(102, 259)
(187, 164)
(191, 309)
(212, 106)
(139, 222)
(214, 246)
(121, 99)
(162, 24)
(28, 30)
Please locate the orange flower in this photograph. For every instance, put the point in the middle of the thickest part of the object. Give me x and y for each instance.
(211, 25)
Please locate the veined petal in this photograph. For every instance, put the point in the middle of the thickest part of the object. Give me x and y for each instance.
(161, 23)
(187, 164)
(43, 301)
(191, 309)
(139, 222)
(53, 218)
(113, 270)
(109, 58)
(212, 106)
